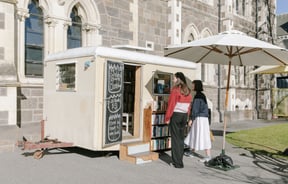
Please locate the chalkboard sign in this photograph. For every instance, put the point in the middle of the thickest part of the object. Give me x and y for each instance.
(113, 102)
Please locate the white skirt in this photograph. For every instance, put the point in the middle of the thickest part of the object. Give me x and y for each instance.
(198, 137)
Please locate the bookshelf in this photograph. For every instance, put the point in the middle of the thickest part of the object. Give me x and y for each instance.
(155, 129)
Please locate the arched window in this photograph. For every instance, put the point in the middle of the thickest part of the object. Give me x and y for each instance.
(74, 32)
(34, 41)
(190, 37)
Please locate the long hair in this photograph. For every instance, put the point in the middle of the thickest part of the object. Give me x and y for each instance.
(198, 87)
(181, 82)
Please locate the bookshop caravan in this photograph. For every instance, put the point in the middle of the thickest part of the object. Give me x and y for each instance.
(99, 98)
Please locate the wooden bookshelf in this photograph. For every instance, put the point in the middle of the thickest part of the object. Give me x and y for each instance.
(155, 130)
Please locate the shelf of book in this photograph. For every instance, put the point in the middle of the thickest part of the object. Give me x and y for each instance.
(156, 131)
(161, 144)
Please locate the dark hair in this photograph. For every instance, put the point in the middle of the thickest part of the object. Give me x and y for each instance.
(181, 82)
(198, 86)
(181, 76)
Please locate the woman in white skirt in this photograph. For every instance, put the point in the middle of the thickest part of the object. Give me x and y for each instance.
(198, 137)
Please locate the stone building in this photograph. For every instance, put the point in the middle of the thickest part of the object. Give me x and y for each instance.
(282, 30)
(32, 29)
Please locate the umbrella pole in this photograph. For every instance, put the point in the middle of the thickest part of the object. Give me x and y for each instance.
(223, 162)
(226, 108)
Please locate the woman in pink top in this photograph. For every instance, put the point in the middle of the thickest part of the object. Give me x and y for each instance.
(177, 115)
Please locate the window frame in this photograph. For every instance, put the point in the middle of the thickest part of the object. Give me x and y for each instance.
(165, 84)
(282, 81)
(58, 78)
(76, 23)
(28, 71)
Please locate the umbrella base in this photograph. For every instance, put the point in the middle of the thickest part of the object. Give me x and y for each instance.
(221, 162)
(222, 168)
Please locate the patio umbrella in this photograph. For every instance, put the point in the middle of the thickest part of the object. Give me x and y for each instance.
(273, 69)
(229, 48)
(279, 96)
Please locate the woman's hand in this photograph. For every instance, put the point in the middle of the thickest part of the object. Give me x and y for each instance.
(167, 122)
(190, 123)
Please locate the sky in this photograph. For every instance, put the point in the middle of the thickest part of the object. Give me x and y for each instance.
(282, 7)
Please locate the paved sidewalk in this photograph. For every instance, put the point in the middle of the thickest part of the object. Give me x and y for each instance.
(9, 135)
(77, 165)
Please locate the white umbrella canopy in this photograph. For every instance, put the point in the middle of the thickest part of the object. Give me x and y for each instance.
(229, 48)
(273, 69)
(233, 46)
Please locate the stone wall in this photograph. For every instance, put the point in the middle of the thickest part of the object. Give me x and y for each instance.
(4, 117)
(29, 105)
(212, 96)
(240, 115)
(3, 113)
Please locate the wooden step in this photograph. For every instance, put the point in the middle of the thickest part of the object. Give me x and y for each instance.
(137, 152)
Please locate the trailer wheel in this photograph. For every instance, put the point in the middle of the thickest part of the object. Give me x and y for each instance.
(38, 154)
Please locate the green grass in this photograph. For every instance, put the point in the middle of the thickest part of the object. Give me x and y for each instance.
(272, 139)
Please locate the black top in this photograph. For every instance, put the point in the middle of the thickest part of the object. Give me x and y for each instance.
(199, 106)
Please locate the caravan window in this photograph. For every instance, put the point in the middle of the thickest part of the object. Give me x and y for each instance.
(65, 79)
(162, 83)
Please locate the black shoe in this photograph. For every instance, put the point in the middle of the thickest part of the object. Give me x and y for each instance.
(176, 166)
(189, 154)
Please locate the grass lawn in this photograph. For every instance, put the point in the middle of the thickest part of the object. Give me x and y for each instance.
(272, 140)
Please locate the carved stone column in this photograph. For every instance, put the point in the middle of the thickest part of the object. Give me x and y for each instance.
(50, 40)
(21, 15)
(90, 33)
(66, 24)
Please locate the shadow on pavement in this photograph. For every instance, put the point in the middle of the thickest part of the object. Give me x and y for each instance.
(220, 132)
(269, 162)
(165, 157)
(77, 150)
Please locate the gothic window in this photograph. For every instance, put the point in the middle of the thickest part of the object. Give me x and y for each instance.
(177, 17)
(243, 7)
(74, 32)
(1, 52)
(190, 38)
(237, 6)
(34, 42)
(240, 7)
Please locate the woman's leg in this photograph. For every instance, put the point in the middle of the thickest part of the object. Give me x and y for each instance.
(208, 153)
(177, 139)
